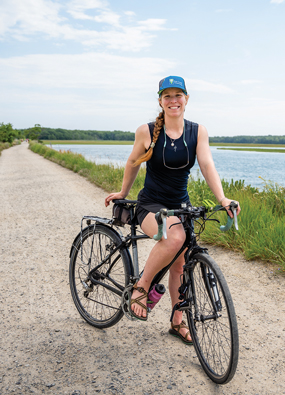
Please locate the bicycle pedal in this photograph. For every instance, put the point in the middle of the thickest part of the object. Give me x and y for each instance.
(125, 302)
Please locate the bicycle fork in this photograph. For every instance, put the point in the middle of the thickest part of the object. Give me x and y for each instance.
(213, 285)
(188, 294)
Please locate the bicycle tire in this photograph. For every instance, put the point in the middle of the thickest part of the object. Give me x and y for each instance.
(216, 339)
(98, 305)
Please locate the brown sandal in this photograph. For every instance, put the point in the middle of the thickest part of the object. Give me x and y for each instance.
(174, 331)
(138, 301)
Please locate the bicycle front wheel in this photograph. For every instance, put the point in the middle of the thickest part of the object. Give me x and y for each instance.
(212, 320)
(98, 274)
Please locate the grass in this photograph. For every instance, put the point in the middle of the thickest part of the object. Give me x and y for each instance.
(8, 145)
(261, 221)
(4, 146)
(88, 142)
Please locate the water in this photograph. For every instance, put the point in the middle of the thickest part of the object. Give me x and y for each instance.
(236, 165)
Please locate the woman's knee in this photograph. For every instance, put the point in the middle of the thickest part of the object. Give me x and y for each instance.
(175, 239)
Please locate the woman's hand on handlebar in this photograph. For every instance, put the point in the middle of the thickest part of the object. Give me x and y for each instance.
(113, 196)
(226, 203)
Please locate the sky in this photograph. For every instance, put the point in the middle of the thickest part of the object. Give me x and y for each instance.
(96, 64)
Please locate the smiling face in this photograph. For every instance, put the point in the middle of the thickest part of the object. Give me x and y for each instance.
(173, 101)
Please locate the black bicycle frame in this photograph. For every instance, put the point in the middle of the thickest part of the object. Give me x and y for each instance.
(131, 239)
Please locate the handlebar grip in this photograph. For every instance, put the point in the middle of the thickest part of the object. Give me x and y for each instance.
(161, 222)
(233, 207)
(226, 227)
(159, 234)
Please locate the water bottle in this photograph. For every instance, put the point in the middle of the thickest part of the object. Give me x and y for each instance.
(154, 295)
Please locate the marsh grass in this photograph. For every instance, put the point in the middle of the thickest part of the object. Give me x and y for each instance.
(4, 146)
(261, 221)
(8, 145)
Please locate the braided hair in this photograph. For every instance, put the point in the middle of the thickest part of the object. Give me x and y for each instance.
(159, 122)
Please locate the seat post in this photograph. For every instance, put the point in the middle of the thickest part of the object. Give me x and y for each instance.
(134, 244)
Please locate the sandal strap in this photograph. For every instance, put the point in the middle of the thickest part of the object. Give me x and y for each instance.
(180, 326)
(137, 300)
(140, 289)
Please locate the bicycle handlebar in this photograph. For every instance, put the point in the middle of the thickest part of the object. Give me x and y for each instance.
(161, 222)
(233, 207)
(195, 212)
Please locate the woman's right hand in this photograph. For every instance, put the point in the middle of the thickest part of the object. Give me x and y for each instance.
(113, 196)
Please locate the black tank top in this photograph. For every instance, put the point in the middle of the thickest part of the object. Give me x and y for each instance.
(168, 170)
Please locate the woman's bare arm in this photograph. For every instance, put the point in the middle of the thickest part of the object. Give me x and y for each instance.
(141, 144)
(207, 166)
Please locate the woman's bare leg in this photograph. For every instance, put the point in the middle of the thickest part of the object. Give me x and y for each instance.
(174, 283)
(160, 256)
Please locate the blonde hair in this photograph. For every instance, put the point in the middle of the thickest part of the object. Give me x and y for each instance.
(159, 122)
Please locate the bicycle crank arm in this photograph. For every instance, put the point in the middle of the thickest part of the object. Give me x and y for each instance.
(185, 305)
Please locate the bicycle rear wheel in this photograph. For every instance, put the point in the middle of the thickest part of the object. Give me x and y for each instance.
(98, 275)
(212, 320)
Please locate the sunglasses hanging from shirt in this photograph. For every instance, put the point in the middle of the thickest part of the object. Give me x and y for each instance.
(173, 154)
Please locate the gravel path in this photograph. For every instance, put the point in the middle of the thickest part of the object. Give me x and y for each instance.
(46, 347)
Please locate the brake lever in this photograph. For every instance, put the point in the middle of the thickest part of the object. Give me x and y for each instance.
(235, 219)
(161, 222)
(164, 227)
(233, 208)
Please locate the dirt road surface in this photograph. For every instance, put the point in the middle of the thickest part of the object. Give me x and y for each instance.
(47, 348)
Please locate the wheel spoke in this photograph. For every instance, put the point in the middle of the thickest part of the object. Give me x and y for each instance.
(97, 281)
(215, 339)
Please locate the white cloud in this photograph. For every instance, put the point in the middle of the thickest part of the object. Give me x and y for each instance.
(87, 71)
(205, 86)
(77, 9)
(152, 24)
(130, 13)
(77, 90)
(25, 19)
(277, 1)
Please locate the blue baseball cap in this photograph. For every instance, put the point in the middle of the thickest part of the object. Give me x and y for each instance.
(172, 82)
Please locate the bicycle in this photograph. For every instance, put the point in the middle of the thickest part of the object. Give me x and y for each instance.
(102, 274)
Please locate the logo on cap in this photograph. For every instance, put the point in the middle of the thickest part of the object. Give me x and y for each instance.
(171, 81)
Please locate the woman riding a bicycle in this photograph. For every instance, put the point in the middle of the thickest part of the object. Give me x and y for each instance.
(169, 147)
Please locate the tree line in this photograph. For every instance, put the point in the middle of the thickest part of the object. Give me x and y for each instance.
(37, 132)
(65, 134)
(8, 134)
(249, 139)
